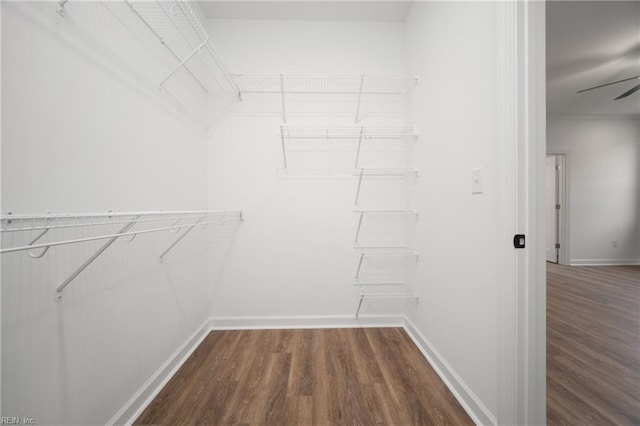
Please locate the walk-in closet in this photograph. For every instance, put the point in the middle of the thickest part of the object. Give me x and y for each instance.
(251, 204)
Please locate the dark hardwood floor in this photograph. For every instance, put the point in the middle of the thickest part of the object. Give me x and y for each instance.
(593, 345)
(362, 376)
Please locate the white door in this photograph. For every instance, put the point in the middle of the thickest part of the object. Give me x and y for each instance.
(551, 212)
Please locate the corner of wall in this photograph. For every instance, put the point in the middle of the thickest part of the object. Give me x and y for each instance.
(134, 407)
(474, 407)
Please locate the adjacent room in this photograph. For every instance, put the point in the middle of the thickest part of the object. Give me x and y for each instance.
(593, 212)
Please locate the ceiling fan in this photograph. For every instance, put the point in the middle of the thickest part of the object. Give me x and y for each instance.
(625, 94)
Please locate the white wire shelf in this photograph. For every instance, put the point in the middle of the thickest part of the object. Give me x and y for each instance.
(391, 239)
(341, 147)
(323, 84)
(292, 84)
(178, 28)
(390, 289)
(387, 172)
(385, 267)
(381, 173)
(40, 225)
(385, 291)
(14, 223)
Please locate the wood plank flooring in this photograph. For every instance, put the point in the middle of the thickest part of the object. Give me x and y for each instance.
(593, 345)
(360, 376)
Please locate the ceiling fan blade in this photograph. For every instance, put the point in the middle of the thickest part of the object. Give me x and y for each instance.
(628, 92)
(609, 84)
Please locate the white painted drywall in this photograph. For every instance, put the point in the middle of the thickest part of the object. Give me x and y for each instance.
(294, 254)
(604, 187)
(452, 46)
(83, 131)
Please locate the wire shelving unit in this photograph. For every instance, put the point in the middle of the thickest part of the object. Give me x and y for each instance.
(38, 228)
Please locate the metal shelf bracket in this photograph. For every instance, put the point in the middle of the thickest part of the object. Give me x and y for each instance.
(184, 234)
(88, 262)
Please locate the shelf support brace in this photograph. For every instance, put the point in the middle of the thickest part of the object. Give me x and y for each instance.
(60, 8)
(359, 266)
(284, 153)
(359, 226)
(359, 146)
(359, 185)
(184, 234)
(359, 305)
(77, 272)
(183, 62)
(284, 111)
(359, 98)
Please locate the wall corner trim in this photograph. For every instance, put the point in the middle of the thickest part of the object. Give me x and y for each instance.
(134, 407)
(474, 407)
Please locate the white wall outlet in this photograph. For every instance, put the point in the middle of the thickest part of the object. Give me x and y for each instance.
(614, 243)
(476, 181)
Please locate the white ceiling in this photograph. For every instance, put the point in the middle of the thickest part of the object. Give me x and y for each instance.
(364, 10)
(588, 43)
(591, 43)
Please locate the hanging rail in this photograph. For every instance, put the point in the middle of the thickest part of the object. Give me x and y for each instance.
(212, 216)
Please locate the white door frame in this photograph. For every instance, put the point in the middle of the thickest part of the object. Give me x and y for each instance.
(551, 210)
(522, 127)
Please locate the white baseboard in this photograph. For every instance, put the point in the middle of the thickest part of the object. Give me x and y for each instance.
(604, 262)
(145, 395)
(147, 392)
(478, 412)
(323, 321)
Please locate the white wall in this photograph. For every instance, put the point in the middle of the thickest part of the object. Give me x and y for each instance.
(294, 254)
(604, 187)
(452, 46)
(84, 130)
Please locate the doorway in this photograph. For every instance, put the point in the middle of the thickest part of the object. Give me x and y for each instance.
(556, 206)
